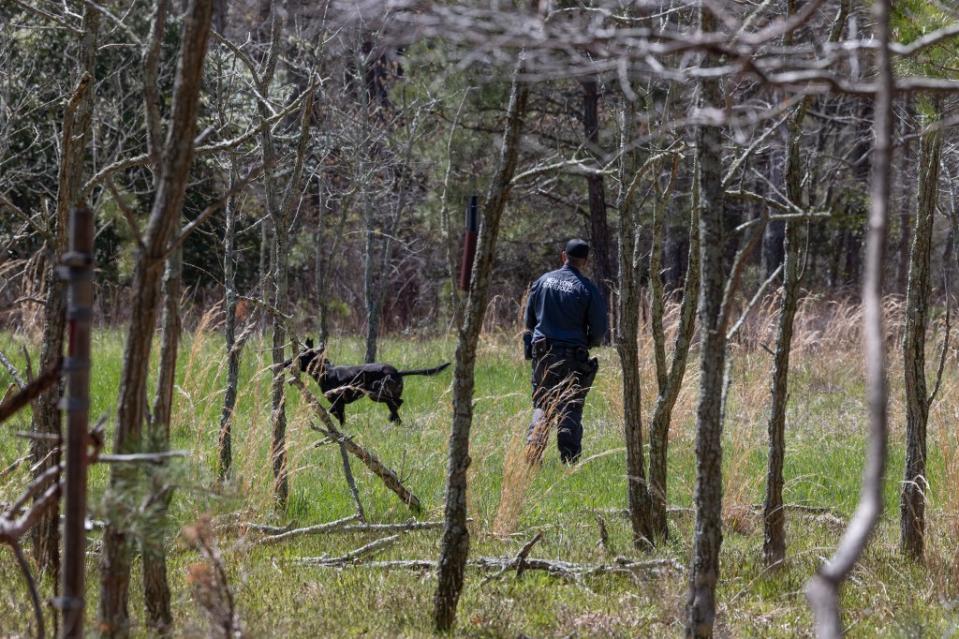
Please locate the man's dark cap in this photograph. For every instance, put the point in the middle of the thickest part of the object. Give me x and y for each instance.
(577, 248)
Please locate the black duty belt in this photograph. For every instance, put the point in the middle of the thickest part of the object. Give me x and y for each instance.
(560, 348)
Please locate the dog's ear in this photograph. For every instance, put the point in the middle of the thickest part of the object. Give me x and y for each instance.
(309, 342)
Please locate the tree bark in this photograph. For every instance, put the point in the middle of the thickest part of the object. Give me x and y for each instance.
(822, 590)
(46, 411)
(321, 266)
(370, 288)
(627, 333)
(456, 540)
(708, 495)
(666, 399)
(156, 589)
(599, 228)
(280, 281)
(278, 207)
(131, 405)
(905, 225)
(232, 350)
(912, 504)
(774, 518)
(657, 294)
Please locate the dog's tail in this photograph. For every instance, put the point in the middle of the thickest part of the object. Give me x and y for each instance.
(425, 371)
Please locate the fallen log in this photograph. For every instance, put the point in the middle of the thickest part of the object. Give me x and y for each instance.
(364, 528)
(519, 561)
(556, 568)
(371, 461)
(350, 557)
(284, 535)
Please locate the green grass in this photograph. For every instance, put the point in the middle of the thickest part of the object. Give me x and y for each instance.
(887, 595)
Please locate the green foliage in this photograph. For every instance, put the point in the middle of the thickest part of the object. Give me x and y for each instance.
(912, 19)
(275, 597)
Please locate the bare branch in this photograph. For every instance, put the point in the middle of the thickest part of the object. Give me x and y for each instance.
(30, 392)
(822, 590)
(752, 303)
(308, 530)
(31, 8)
(238, 186)
(14, 373)
(24, 566)
(353, 556)
(389, 477)
(134, 37)
(929, 40)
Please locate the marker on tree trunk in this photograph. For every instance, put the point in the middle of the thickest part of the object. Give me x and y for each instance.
(469, 242)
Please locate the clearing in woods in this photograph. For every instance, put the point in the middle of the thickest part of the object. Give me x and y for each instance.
(888, 596)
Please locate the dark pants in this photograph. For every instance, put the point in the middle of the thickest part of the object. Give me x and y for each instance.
(562, 377)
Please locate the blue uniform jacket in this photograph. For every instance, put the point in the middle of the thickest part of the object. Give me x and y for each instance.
(565, 306)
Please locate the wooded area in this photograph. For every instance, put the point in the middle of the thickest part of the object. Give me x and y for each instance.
(196, 194)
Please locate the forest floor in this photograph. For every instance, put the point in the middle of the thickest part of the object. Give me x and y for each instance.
(276, 597)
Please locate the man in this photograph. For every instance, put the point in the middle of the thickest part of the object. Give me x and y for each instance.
(565, 315)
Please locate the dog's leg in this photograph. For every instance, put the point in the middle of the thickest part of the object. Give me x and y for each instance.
(337, 409)
(394, 406)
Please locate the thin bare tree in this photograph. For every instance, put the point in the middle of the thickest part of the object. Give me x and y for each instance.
(774, 516)
(455, 544)
(46, 411)
(670, 386)
(708, 495)
(822, 590)
(627, 328)
(912, 504)
(154, 246)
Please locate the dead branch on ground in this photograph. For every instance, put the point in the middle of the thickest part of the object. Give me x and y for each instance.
(352, 557)
(555, 568)
(519, 561)
(371, 461)
(339, 527)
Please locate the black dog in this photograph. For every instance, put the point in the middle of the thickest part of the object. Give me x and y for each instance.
(343, 385)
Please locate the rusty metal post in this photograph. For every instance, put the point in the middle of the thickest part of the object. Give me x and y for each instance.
(77, 270)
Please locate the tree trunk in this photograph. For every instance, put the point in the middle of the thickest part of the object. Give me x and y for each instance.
(232, 351)
(627, 333)
(156, 589)
(912, 504)
(774, 237)
(666, 399)
(455, 543)
(115, 557)
(321, 267)
(278, 207)
(657, 294)
(708, 495)
(599, 229)
(822, 590)
(774, 519)
(675, 247)
(370, 289)
(905, 226)
(280, 280)
(46, 411)
(263, 271)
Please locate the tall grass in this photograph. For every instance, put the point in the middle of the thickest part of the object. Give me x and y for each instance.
(826, 427)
